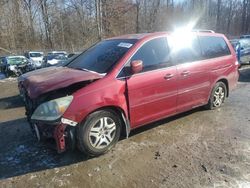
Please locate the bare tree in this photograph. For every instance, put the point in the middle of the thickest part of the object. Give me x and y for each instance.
(137, 5)
(47, 25)
(218, 15)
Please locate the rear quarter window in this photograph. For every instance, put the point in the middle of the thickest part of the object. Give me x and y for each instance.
(213, 47)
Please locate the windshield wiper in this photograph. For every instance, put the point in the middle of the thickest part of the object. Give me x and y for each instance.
(87, 70)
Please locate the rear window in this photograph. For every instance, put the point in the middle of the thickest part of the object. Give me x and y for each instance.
(213, 47)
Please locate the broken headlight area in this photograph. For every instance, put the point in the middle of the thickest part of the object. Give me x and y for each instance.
(46, 122)
(52, 110)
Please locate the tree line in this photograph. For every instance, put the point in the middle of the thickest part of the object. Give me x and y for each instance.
(73, 25)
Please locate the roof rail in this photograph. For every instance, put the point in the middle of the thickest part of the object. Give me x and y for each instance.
(203, 31)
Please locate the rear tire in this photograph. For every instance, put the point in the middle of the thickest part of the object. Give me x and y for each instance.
(217, 97)
(99, 132)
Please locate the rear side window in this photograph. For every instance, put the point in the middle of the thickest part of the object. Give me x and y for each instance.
(213, 47)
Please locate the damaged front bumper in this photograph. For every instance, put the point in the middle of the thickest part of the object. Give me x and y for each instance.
(60, 131)
(46, 118)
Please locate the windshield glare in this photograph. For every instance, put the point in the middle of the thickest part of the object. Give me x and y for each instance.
(102, 57)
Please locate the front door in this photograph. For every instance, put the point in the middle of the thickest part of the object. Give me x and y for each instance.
(152, 93)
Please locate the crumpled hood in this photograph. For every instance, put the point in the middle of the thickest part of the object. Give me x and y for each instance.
(48, 79)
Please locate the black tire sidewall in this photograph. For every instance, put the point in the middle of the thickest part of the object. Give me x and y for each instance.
(84, 128)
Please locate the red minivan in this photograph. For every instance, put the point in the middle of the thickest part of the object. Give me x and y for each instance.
(125, 82)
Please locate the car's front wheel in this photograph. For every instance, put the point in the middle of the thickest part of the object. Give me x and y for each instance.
(99, 132)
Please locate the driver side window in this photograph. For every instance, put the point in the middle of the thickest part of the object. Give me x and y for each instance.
(154, 54)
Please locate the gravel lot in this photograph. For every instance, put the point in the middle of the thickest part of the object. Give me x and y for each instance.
(195, 149)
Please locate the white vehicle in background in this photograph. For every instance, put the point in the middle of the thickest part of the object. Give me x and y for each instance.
(36, 58)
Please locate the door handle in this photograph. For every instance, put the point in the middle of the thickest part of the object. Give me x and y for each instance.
(168, 76)
(185, 73)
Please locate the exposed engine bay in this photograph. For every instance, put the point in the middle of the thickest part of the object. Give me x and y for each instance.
(32, 104)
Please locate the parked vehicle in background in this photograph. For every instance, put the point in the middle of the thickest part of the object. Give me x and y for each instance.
(15, 65)
(71, 55)
(57, 53)
(65, 62)
(125, 82)
(244, 50)
(36, 58)
(244, 36)
(236, 45)
(3, 64)
(54, 57)
(54, 60)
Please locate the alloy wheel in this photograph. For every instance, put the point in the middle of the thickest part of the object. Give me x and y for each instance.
(102, 133)
(219, 96)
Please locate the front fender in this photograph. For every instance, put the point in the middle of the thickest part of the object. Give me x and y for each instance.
(95, 96)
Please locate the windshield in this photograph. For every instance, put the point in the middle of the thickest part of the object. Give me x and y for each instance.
(16, 60)
(56, 53)
(60, 57)
(36, 54)
(103, 56)
(57, 57)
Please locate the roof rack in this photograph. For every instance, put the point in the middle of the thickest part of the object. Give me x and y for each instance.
(203, 31)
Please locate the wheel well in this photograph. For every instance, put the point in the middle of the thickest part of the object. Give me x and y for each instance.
(226, 83)
(119, 111)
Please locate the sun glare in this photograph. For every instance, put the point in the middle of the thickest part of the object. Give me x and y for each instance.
(182, 37)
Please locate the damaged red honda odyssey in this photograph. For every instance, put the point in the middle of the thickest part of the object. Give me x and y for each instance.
(122, 83)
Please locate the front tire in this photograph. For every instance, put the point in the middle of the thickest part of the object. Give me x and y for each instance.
(99, 132)
(217, 97)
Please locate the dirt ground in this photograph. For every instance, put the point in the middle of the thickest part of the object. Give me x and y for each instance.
(195, 149)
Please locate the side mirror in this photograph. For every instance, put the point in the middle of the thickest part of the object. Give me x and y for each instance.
(242, 48)
(136, 66)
